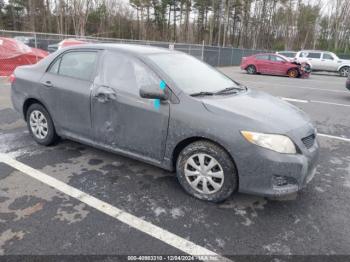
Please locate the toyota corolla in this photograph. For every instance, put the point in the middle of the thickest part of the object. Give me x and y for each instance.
(170, 110)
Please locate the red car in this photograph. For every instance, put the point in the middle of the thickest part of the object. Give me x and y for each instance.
(14, 53)
(273, 64)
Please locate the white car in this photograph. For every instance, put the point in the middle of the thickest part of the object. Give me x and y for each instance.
(324, 61)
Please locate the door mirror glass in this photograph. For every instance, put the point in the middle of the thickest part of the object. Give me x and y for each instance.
(153, 92)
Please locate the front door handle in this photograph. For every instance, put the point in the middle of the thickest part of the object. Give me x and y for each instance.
(105, 94)
(48, 84)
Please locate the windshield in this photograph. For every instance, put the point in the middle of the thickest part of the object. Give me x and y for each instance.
(190, 74)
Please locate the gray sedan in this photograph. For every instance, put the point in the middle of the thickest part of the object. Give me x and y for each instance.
(170, 110)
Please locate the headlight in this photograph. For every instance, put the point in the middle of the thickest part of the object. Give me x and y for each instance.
(279, 143)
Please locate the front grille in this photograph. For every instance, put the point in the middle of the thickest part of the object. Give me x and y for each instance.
(309, 141)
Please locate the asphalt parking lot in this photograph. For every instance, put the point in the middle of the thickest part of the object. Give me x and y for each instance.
(39, 219)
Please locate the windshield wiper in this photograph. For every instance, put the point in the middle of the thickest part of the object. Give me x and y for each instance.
(233, 89)
(203, 94)
(229, 90)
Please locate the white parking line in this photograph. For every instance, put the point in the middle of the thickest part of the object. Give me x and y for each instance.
(299, 87)
(313, 101)
(294, 100)
(335, 137)
(329, 103)
(146, 227)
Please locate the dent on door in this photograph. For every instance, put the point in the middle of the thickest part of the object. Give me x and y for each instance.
(104, 94)
(122, 120)
(104, 110)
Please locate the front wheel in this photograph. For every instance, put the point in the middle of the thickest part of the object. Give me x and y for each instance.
(251, 70)
(206, 171)
(344, 71)
(40, 125)
(293, 73)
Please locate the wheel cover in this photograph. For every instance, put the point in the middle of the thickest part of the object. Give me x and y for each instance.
(292, 73)
(250, 70)
(38, 124)
(204, 173)
(345, 71)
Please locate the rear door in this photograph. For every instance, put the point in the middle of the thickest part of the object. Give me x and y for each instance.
(278, 65)
(66, 91)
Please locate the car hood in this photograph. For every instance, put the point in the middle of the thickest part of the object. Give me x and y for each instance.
(344, 61)
(258, 110)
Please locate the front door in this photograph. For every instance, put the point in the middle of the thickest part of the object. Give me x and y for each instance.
(329, 63)
(66, 90)
(121, 118)
(314, 58)
(278, 65)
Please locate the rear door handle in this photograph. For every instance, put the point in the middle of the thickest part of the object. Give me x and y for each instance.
(48, 84)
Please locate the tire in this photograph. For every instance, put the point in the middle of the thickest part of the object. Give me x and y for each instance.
(293, 73)
(344, 71)
(251, 70)
(223, 173)
(45, 133)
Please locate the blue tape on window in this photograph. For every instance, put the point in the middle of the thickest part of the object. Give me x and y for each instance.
(156, 104)
(162, 85)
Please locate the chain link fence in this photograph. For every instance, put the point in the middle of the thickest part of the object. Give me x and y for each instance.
(213, 55)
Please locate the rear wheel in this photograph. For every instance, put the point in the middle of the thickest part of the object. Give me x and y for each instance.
(251, 70)
(293, 73)
(206, 171)
(40, 125)
(344, 71)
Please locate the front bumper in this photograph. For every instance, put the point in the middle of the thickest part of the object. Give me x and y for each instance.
(271, 174)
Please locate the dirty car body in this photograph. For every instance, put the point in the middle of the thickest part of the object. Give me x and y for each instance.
(104, 95)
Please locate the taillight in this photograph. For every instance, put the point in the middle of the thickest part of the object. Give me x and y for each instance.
(12, 78)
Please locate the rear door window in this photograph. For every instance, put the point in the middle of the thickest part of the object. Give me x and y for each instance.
(55, 66)
(78, 64)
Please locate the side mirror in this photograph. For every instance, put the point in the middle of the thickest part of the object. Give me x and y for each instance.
(153, 92)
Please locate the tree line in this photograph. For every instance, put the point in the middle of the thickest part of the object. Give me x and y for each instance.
(256, 24)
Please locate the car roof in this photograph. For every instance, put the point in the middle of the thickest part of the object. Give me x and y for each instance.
(264, 54)
(318, 51)
(130, 48)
